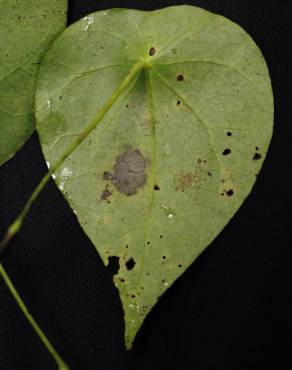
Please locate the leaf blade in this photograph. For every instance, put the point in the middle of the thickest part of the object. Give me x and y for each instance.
(27, 30)
(178, 152)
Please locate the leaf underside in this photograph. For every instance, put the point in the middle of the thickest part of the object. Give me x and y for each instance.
(177, 153)
(26, 28)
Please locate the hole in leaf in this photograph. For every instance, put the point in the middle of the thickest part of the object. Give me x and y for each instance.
(229, 133)
(163, 257)
(130, 264)
(179, 265)
(152, 51)
(156, 187)
(257, 156)
(148, 242)
(113, 265)
(226, 151)
(180, 78)
(161, 236)
(210, 174)
(230, 192)
(178, 102)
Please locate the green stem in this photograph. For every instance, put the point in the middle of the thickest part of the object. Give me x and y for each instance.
(61, 364)
(16, 225)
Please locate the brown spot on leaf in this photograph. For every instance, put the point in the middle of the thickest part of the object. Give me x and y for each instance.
(186, 180)
(107, 175)
(129, 172)
(105, 194)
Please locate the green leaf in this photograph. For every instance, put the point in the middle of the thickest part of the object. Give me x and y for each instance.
(179, 148)
(26, 28)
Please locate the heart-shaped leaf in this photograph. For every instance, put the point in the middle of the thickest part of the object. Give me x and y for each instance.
(26, 28)
(189, 116)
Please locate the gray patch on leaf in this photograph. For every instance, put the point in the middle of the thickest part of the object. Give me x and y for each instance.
(129, 172)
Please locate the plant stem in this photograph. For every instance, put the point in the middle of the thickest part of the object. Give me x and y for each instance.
(61, 364)
(16, 225)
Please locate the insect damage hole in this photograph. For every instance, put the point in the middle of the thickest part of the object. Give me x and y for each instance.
(257, 156)
(230, 192)
(152, 51)
(226, 151)
(113, 265)
(156, 187)
(180, 78)
(130, 264)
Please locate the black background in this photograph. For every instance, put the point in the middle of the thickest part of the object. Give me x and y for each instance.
(230, 310)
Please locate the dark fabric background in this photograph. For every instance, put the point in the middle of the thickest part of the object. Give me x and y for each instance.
(230, 310)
